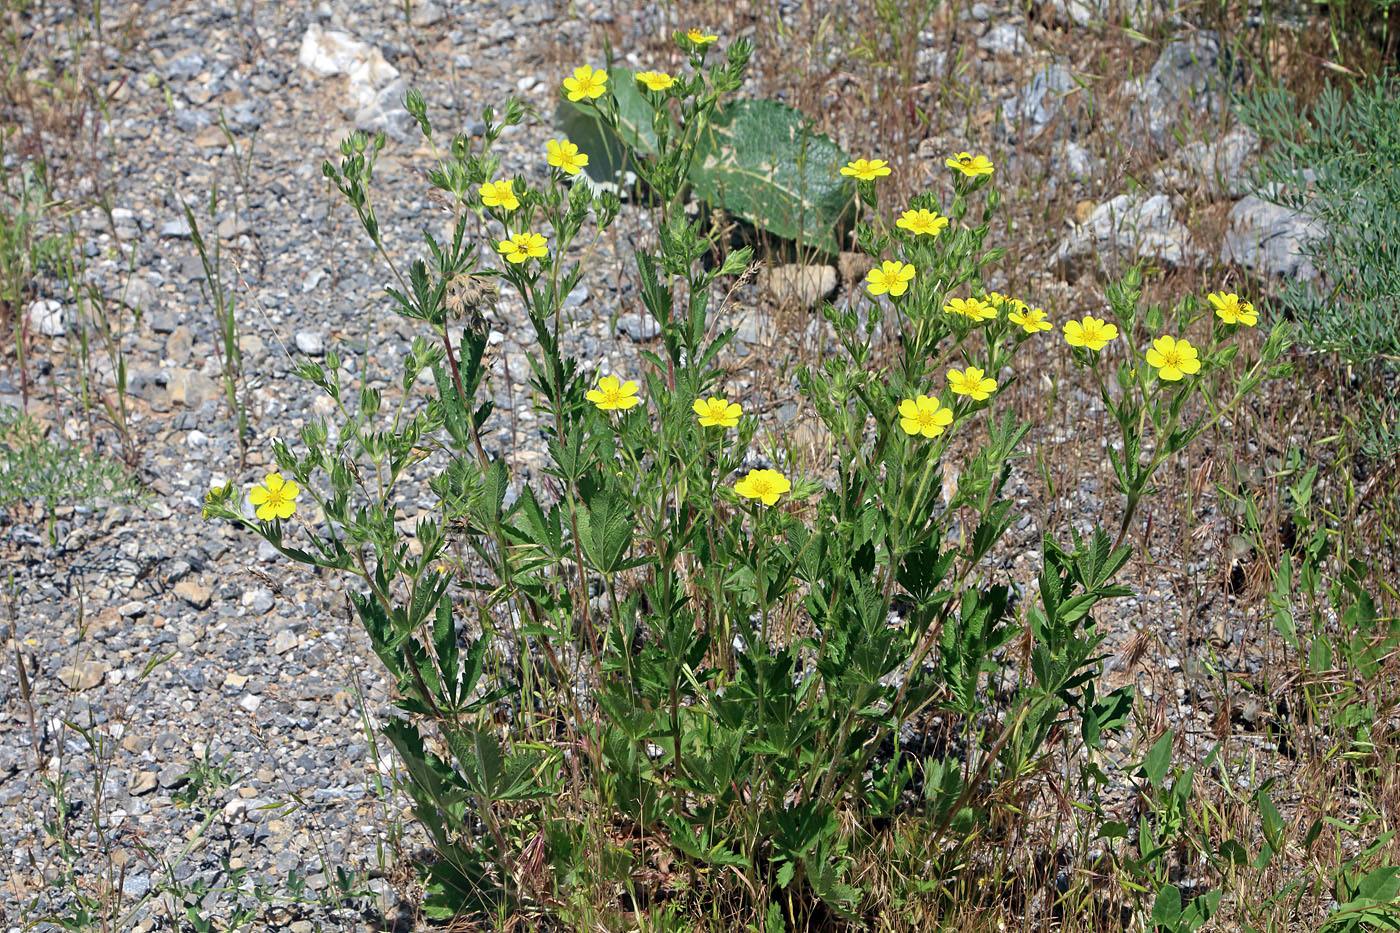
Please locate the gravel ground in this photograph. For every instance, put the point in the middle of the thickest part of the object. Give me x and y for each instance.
(174, 639)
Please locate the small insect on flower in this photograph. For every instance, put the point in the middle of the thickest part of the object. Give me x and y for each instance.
(921, 222)
(522, 246)
(655, 80)
(974, 308)
(866, 169)
(565, 156)
(717, 412)
(699, 37)
(970, 165)
(1232, 310)
(499, 194)
(971, 381)
(1173, 358)
(767, 485)
(924, 415)
(275, 498)
(893, 277)
(586, 82)
(1092, 332)
(614, 395)
(1031, 320)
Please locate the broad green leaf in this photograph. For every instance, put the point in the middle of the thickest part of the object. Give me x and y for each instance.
(763, 161)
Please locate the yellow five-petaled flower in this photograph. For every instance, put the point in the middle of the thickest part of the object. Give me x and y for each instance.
(614, 395)
(1030, 320)
(499, 194)
(866, 169)
(717, 412)
(767, 485)
(921, 222)
(586, 83)
(1173, 358)
(970, 165)
(565, 156)
(893, 277)
(275, 498)
(655, 80)
(974, 308)
(1231, 309)
(924, 415)
(699, 37)
(1092, 332)
(522, 246)
(971, 381)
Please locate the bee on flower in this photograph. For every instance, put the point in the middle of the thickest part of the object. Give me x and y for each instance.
(1232, 309)
(522, 246)
(970, 165)
(1031, 320)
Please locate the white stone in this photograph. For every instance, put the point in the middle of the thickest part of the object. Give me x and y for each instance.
(48, 317)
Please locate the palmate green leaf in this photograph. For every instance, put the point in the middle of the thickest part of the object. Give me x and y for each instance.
(764, 161)
(606, 527)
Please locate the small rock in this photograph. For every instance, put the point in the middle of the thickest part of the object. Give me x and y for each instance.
(185, 66)
(310, 343)
(179, 345)
(84, 675)
(236, 810)
(231, 227)
(425, 13)
(132, 610)
(285, 641)
(1003, 38)
(190, 387)
(794, 283)
(1026, 115)
(257, 600)
(48, 317)
(179, 227)
(250, 703)
(1192, 72)
(196, 594)
(1270, 239)
(143, 783)
(1121, 230)
(640, 328)
(173, 776)
(1218, 167)
(136, 885)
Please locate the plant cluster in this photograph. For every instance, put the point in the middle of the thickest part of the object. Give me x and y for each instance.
(671, 675)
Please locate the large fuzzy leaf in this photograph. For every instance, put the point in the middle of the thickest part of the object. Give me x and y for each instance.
(763, 161)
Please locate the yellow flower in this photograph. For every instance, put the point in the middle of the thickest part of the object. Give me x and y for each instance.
(565, 156)
(1002, 301)
(974, 308)
(656, 80)
(1173, 358)
(1230, 309)
(970, 165)
(717, 412)
(521, 246)
(971, 381)
(699, 37)
(275, 498)
(586, 83)
(921, 222)
(1092, 332)
(499, 194)
(866, 169)
(892, 277)
(767, 485)
(924, 415)
(614, 395)
(1031, 320)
